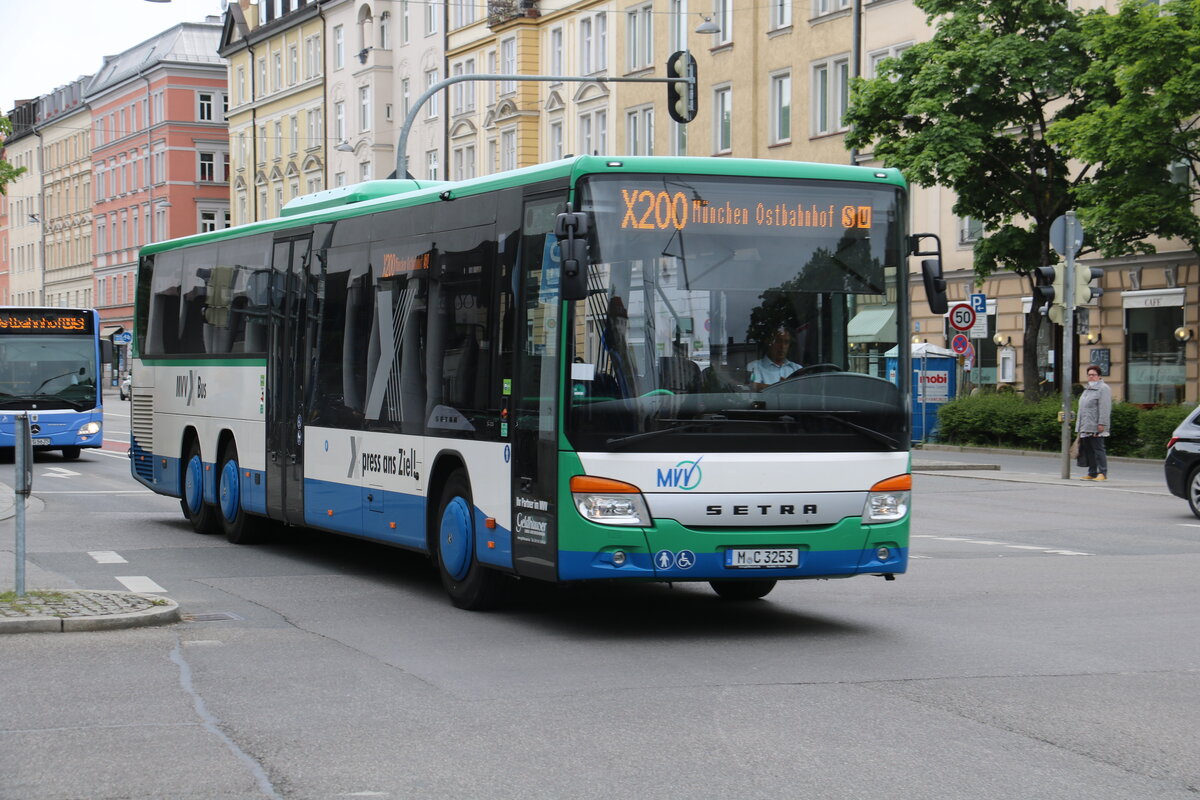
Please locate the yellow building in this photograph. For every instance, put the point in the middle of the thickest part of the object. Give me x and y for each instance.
(276, 105)
(64, 127)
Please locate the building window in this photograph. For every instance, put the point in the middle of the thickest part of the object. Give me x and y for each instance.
(723, 120)
(339, 47)
(293, 65)
(508, 64)
(830, 95)
(312, 56)
(876, 58)
(385, 31)
(364, 108)
(557, 65)
(639, 132)
(277, 61)
(823, 7)
(464, 13)
(593, 43)
(970, 230)
(241, 85)
(433, 16)
(405, 22)
(723, 16)
(556, 141)
(208, 221)
(781, 108)
(364, 171)
(208, 167)
(781, 14)
(339, 121)
(464, 162)
(593, 132)
(205, 112)
(294, 123)
(1156, 372)
(639, 37)
(508, 149)
(431, 165)
(313, 129)
(432, 76)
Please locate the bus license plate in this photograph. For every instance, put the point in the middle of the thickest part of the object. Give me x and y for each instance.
(41, 442)
(762, 557)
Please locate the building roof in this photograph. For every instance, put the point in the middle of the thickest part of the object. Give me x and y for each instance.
(186, 43)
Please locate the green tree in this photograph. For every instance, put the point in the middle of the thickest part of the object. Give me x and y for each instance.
(969, 110)
(8, 173)
(1141, 127)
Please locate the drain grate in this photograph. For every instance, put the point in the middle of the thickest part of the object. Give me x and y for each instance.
(212, 616)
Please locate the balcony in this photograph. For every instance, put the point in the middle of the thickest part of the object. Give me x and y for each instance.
(502, 11)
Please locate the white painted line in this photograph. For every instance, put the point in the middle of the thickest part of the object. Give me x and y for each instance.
(912, 556)
(1189, 525)
(1067, 553)
(107, 557)
(59, 472)
(951, 539)
(1024, 547)
(139, 583)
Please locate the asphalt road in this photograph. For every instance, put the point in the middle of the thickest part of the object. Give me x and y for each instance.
(1043, 645)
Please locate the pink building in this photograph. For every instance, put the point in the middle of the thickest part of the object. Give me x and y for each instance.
(160, 154)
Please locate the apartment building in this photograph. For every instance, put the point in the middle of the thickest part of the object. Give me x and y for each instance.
(160, 154)
(25, 212)
(64, 127)
(274, 51)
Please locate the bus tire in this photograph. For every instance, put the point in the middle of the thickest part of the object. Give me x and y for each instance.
(71, 453)
(238, 528)
(741, 591)
(202, 516)
(470, 584)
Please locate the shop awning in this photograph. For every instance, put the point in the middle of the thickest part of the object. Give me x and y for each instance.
(873, 325)
(109, 331)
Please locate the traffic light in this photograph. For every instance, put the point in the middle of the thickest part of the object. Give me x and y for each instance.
(681, 92)
(1048, 289)
(1085, 293)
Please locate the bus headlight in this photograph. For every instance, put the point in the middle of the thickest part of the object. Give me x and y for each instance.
(888, 500)
(89, 428)
(609, 502)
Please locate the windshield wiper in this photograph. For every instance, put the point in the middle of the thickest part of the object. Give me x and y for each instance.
(633, 438)
(38, 390)
(870, 433)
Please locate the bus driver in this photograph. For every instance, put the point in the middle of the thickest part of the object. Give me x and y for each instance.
(775, 365)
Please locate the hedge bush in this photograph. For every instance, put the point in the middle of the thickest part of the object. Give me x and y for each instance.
(1004, 419)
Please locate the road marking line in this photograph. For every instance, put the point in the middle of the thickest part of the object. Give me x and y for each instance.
(1189, 525)
(1067, 553)
(1024, 547)
(139, 583)
(107, 557)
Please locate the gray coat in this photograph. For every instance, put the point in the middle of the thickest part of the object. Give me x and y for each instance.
(1095, 409)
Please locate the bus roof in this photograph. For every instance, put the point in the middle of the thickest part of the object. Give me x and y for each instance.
(374, 196)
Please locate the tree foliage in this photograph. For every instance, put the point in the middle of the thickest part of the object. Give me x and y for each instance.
(8, 173)
(1141, 122)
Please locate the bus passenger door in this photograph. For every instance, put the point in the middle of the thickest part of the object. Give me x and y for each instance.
(535, 393)
(286, 376)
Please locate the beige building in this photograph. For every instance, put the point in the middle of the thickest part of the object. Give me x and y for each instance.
(276, 104)
(64, 126)
(26, 218)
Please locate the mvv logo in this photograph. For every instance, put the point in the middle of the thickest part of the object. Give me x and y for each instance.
(684, 475)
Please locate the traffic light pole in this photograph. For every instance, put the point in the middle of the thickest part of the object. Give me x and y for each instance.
(411, 117)
(1068, 349)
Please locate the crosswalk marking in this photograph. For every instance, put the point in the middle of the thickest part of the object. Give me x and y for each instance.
(107, 557)
(139, 583)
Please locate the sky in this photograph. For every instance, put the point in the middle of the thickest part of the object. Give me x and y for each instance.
(45, 44)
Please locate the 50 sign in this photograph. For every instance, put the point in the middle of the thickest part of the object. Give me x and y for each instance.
(962, 317)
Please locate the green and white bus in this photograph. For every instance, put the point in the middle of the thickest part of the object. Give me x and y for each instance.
(635, 368)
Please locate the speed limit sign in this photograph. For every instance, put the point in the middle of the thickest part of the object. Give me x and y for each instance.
(962, 317)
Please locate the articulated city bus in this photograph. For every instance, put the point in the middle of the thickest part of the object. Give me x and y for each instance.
(50, 370)
(634, 368)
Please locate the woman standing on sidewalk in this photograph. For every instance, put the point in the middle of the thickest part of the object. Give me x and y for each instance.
(1092, 424)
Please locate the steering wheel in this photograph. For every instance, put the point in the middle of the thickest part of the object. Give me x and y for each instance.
(655, 392)
(813, 369)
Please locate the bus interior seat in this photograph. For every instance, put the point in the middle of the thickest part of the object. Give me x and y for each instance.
(678, 374)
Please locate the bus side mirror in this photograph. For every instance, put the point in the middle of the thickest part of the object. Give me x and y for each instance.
(106, 351)
(571, 228)
(935, 285)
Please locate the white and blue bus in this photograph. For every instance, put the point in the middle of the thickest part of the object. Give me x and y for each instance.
(50, 370)
(645, 369)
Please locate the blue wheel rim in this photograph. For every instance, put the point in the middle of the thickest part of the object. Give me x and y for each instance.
(455, 538)
(193, 483)
(231, 490)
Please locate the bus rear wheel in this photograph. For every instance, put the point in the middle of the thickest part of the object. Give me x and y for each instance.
(202, 516)
(741, 591)
(238, 528)
(470, 584)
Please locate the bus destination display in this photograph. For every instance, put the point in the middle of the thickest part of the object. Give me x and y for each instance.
(649, 209)
(16, 320)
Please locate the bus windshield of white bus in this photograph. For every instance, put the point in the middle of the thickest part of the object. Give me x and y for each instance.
(736, 314)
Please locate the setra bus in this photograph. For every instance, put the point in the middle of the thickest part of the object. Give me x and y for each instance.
(50, 370)
(635, 368)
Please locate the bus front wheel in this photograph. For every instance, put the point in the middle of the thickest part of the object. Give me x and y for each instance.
(742, 590)
(202, 516)
(71, 453)
(470, 584)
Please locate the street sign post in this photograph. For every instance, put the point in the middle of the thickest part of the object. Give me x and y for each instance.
(962, 317)
(1066, 237)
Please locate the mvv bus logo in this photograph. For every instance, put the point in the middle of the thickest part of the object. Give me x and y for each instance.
(685, 475)
(190, 387)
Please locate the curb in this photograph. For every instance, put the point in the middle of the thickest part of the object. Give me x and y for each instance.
(164, 612)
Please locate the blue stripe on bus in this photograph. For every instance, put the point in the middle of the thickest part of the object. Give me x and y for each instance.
(574, 566)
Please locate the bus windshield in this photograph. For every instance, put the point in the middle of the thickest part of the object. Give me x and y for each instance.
(739, 315)
(50, 370)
